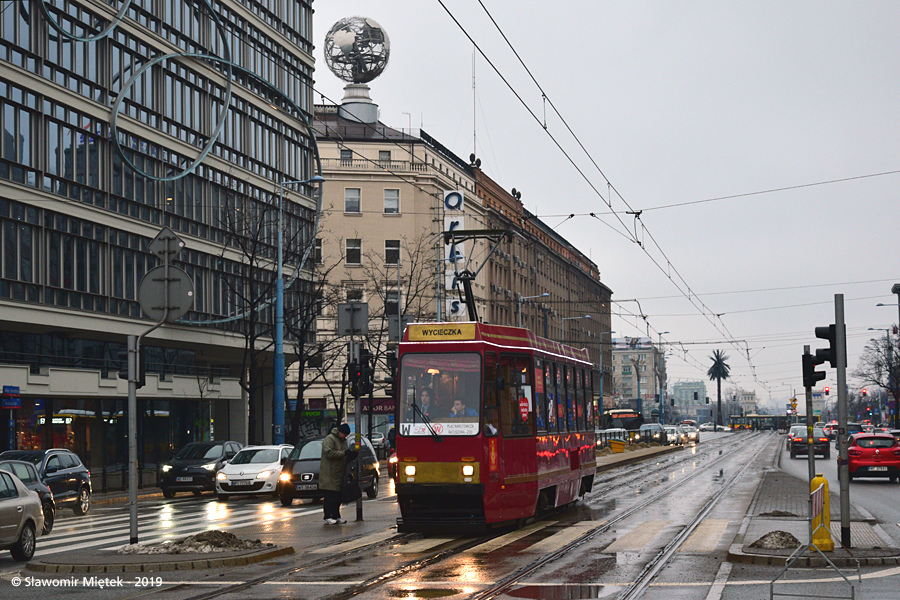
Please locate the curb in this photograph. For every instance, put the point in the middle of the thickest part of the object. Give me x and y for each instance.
(737, 555)
(182, 565)
(637, 459)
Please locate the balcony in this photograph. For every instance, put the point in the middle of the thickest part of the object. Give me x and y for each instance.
(359, 164)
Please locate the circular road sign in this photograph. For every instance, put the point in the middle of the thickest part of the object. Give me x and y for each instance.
(152, 293)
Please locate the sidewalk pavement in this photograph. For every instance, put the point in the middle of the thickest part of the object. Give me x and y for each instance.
(781, 503)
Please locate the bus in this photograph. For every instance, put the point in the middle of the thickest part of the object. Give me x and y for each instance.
(621, 418)
(494, 425)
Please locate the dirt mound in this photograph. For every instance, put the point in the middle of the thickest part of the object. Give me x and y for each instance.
(778, 513)
(202, 543)
(776, 540)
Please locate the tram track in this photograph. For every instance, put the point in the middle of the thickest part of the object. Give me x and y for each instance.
(374, 581)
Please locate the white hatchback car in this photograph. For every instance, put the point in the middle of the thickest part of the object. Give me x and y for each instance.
(253, 470)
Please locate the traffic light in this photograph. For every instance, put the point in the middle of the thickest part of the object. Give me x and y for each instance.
(355, 374)
(810, 375)
(391, 379)
(827, 354)
(367, 372)
(122, 356)
(864, 392)
(826, 390)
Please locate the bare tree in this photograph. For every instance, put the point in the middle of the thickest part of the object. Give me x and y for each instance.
(879, 365)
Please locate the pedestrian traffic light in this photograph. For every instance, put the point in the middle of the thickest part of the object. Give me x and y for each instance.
(826, 390)
(810, 375)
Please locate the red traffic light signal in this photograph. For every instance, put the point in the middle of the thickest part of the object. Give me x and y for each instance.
(826, 390)
(864, 391)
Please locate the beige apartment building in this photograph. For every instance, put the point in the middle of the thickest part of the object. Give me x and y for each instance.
(389, 196)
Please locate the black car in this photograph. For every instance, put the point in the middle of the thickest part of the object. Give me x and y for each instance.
(63, 472)
(300, 474)
(194, 467)
(27, 474)
(799, 443)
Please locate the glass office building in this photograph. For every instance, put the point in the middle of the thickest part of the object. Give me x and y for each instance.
(119, 120)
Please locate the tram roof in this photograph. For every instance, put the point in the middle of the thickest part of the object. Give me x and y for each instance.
(500, 335)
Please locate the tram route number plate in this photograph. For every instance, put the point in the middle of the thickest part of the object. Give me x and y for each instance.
(241, 482)
(184, 479)
(878, 468)
(306, 486)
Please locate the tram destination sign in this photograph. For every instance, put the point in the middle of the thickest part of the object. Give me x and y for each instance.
(441, 332)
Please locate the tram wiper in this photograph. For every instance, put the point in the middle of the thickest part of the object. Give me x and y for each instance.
(425, 420)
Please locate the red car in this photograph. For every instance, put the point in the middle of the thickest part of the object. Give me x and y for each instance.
(874, 455)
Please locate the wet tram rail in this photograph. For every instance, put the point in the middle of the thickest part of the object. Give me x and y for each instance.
(376, 569)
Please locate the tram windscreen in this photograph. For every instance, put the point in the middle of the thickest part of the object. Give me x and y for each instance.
(440, 394)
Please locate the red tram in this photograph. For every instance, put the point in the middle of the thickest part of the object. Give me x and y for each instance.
(494, 425)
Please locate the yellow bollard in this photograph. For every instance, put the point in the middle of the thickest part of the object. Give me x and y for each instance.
(822, 536)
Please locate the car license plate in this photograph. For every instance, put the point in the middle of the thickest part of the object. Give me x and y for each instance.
(184, 479)
(306, 486)
(878, 468)
(241, 482)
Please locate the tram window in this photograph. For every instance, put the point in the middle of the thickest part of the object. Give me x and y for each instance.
(570, 398)
(539, 393)
(517, 392)
(550, 397)
(578, 397)
(560, 399)
(451, 377)
(491, 411)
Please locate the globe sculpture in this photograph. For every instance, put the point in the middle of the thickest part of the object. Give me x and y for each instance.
(357, 49)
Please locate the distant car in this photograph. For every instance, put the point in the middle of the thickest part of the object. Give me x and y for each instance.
(693, 435)
(800, 443)
(27, 474)
(21, 517)
(63, 472)
(651, 432)
(874, 455)
(602, 436)
(378, 440)
(675, 435)
(707, 427)
(194, 467)
(895, 433)
(795, 430)
(300, 474)
(253, 470)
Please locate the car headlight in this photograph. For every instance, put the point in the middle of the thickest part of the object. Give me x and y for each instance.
(392, 459)
(285, 476)
(210, 467)
(468, 470)
(166, 468)
(263, 474)
(221, 476)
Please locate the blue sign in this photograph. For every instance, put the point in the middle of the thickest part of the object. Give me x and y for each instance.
(11, 398)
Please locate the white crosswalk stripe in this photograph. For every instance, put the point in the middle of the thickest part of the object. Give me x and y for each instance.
(109, 532)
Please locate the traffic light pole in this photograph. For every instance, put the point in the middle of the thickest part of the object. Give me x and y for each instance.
(843, 469)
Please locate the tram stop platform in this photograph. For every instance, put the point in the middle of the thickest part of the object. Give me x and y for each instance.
(781, 503)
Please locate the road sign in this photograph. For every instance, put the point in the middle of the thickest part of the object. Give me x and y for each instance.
(11, 398)
(152, 293)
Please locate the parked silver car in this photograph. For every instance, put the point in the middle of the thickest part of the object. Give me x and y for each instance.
(21, 517)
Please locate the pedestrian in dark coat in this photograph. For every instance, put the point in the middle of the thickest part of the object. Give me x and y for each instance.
(332, 468)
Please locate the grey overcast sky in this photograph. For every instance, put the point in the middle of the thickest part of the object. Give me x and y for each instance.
(723, 122)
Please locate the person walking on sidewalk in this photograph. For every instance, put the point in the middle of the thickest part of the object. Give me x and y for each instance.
(332, 467)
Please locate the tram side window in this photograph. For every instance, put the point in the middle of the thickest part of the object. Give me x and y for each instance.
(579, 399)
(516, 374)
(559, 375)
(550, 397)
(570, 397)
(589, 400)
(576, 398)
(491, 411)
(540, 405)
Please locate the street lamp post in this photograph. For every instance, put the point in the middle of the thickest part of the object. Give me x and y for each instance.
(278, 396)
(895, 420)
(659, 375)
(600, 407)
(522, 298)
(564, 319)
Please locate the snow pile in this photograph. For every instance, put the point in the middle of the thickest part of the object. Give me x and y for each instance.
(203, 543)
(776, 540)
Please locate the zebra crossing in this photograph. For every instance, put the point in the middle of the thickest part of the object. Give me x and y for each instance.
(110, 530)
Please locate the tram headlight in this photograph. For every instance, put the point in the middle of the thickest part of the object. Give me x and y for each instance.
(468, 470)
(410, 470)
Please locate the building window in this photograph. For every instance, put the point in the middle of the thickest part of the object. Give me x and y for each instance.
(384, 156)
(392, 252)
(351, 200)
(346, 157)
(353, 255)
(392, 303)
(317, 252)
(391, 202)
(320, 303)
(354, 294)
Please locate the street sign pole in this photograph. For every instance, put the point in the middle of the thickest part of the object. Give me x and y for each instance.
(132, 437)
(843, 468)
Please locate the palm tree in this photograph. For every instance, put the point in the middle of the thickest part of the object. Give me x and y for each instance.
(718, 371)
